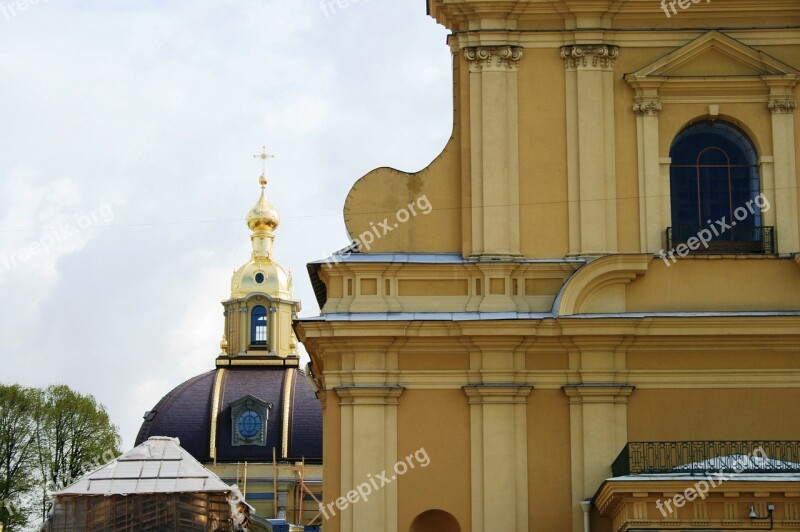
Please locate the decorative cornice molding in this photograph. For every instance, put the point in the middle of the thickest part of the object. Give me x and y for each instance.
(578, 55)
(502, 57)
(647, 107)
(785, 105)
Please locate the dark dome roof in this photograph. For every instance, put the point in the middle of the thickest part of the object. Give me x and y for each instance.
(186, 412)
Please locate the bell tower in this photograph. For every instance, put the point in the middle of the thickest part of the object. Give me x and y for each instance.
(259, 313)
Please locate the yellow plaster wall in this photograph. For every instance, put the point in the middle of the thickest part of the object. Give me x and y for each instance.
(442, 431)
(542, 154)
(705, 358)
(440, 360)
(713, 414)
(549, 488)
(729, 284)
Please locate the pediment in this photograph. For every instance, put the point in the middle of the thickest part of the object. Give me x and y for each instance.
(714, 54)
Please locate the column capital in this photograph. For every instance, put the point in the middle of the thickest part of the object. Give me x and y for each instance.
(497, 393)
(368, 395)
(589, 56)
(493, 57)
(598, 392)
(782, 105)
(644, 107)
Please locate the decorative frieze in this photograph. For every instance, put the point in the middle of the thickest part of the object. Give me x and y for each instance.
(785, 105)
(589, 55)
(647, 107)
(481, 57)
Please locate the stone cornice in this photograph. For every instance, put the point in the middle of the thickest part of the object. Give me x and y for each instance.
(493, 57)
(577, 56)
(651, 331)
(615, 492)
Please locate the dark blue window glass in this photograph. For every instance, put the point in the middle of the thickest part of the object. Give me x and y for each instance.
(714, 171)
(258, 326)
(249, 424)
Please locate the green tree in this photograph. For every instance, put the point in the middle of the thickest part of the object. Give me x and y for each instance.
(74, 435)
(18, 411)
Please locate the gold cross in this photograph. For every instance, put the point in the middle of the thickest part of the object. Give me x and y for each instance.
(263, 156)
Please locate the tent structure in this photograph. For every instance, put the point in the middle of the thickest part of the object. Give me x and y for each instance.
(156, 486)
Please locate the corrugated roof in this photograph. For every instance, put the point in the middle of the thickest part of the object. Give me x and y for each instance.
(159, 465)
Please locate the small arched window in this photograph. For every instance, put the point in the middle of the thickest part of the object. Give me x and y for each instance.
(258, 325)
(714, 186)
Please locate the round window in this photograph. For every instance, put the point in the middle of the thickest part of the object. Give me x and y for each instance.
(249, 424)
(259, 277)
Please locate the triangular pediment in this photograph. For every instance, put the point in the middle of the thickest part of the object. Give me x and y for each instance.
(714, 54)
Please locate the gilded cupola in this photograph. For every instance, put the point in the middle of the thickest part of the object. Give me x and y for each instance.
(259, 313)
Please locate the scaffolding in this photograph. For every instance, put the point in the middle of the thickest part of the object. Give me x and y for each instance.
(300, 489)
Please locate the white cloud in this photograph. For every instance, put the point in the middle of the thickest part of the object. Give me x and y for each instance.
(155, 109)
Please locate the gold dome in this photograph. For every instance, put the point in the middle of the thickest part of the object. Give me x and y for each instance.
(263, 215)
(261, 276)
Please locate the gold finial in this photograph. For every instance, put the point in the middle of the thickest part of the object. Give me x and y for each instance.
(263, 156)
(263, 215)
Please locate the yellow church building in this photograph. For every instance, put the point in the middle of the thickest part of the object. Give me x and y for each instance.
(584, 315)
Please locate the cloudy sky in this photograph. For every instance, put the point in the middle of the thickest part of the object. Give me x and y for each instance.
(127, 134)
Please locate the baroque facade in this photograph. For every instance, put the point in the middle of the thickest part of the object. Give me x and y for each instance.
(602, 304)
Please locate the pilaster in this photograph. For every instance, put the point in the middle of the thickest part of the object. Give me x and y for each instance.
(243, 327)
(494, 148)
(368, 447)
(499, 456)
(782, 107)
(598, 431)
(647, 109)
(591, 161)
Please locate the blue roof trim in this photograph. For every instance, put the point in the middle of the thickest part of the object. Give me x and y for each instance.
(483, 316)
(433, 258)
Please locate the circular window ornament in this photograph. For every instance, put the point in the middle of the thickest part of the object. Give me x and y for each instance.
(259, 277)
(249, 424)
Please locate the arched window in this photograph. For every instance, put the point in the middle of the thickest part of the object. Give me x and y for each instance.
(435, 521)
(258, 326)
(714, 185)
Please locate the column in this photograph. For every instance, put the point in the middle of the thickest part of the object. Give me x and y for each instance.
(494, 147)
(783, 151)
(499, 456)
(591, 160)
